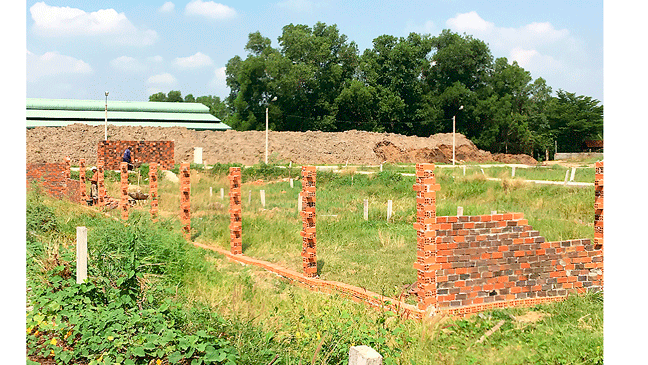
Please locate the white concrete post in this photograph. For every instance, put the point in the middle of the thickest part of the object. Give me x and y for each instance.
(82, 254)
(364, 355)
(513, 172)
(222, 193)
(459, 211)
(381, 167)
(493, 212)
(198, 155)
(292, 184)
(366, 209)
(210, 191)
(464, 169)
(389, 209)
(262, 192)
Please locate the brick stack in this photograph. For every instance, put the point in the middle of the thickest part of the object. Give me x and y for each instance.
(236, 228)
(82, 181)
(309, 240)
(598, 204)
(185, 203)
(143, 152)
(123, 202)
(426, 226)
(153, 190)
(101, 188)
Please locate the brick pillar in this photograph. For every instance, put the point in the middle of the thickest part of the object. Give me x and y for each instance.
(426, 227)
(82, 181)
(598, 204)
(236, 228)
(185, 204)
(101, 188)
(309, 240)
(123, 202)
(68, 166)
(153, 190)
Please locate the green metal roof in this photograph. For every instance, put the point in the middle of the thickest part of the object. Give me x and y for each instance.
(62, 112)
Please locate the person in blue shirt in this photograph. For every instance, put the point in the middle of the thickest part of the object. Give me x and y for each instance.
(127, 158)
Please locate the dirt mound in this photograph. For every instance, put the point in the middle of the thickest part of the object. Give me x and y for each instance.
(50, 144)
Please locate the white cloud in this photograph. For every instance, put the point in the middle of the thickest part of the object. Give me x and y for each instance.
(168, 7)
(470, 22)
(302, 6)
(210, 9)
(127, 64)
(195, 61)
(52, 64)
(164, 78)
(55, 21)
(219, 83)
(156, 59)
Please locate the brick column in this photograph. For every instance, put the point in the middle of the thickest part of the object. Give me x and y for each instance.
(426, 226)
(185, 204)
(598, 204)
(123, 202)
(68, 166)
(82, 181)
(309, 241)
(153, 190)
(236, 228)
(101, 188)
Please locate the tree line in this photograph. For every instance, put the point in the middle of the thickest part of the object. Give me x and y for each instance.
(316, 79)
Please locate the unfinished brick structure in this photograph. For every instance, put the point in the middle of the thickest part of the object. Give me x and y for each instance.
(309, 239)
(153, 190)
(185, 203)
(236, 227)
(473, 263)
(54, 179)
(82, 181)
(142, 151)
(101, 187)
(123, 202)
(425, 227)
(598, 203)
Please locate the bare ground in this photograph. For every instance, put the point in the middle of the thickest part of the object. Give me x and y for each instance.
(52, 144)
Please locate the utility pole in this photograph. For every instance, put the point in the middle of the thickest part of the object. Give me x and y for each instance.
(106, 120)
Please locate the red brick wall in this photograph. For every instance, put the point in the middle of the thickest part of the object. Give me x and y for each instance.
(466, 264)
(492, 258)
(54, 178)
(142, 151)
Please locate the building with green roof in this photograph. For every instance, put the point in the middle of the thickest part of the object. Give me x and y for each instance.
(62, 112)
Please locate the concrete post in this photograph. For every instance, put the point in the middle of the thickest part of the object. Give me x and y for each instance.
(389, 209)
(82, 254)
(198, 155)
(262, 193)
(364, 355)
(459, 211)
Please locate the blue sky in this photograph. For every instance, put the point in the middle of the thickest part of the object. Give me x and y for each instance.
(79, 49)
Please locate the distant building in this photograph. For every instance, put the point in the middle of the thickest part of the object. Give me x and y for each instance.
(62, 112)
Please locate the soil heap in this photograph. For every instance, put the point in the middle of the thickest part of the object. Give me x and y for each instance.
(52, 144)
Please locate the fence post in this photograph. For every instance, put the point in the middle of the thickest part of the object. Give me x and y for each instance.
(222, 191)
(513, 172)
(573, 174)
(364, 355)
(262, 193)
(82, 254)
(389, 209)
(566, 176)
(459, 211)
(366, 209)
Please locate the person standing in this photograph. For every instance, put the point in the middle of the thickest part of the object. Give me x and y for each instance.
(128, 158)
(94, 188)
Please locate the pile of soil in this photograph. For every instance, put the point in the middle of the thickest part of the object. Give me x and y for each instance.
(52, 144)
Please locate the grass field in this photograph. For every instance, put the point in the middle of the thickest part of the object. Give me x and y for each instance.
(264, 318)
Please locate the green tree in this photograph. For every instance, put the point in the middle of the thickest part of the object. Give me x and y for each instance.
(174, 96)
(574, 119)
(158, 97)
